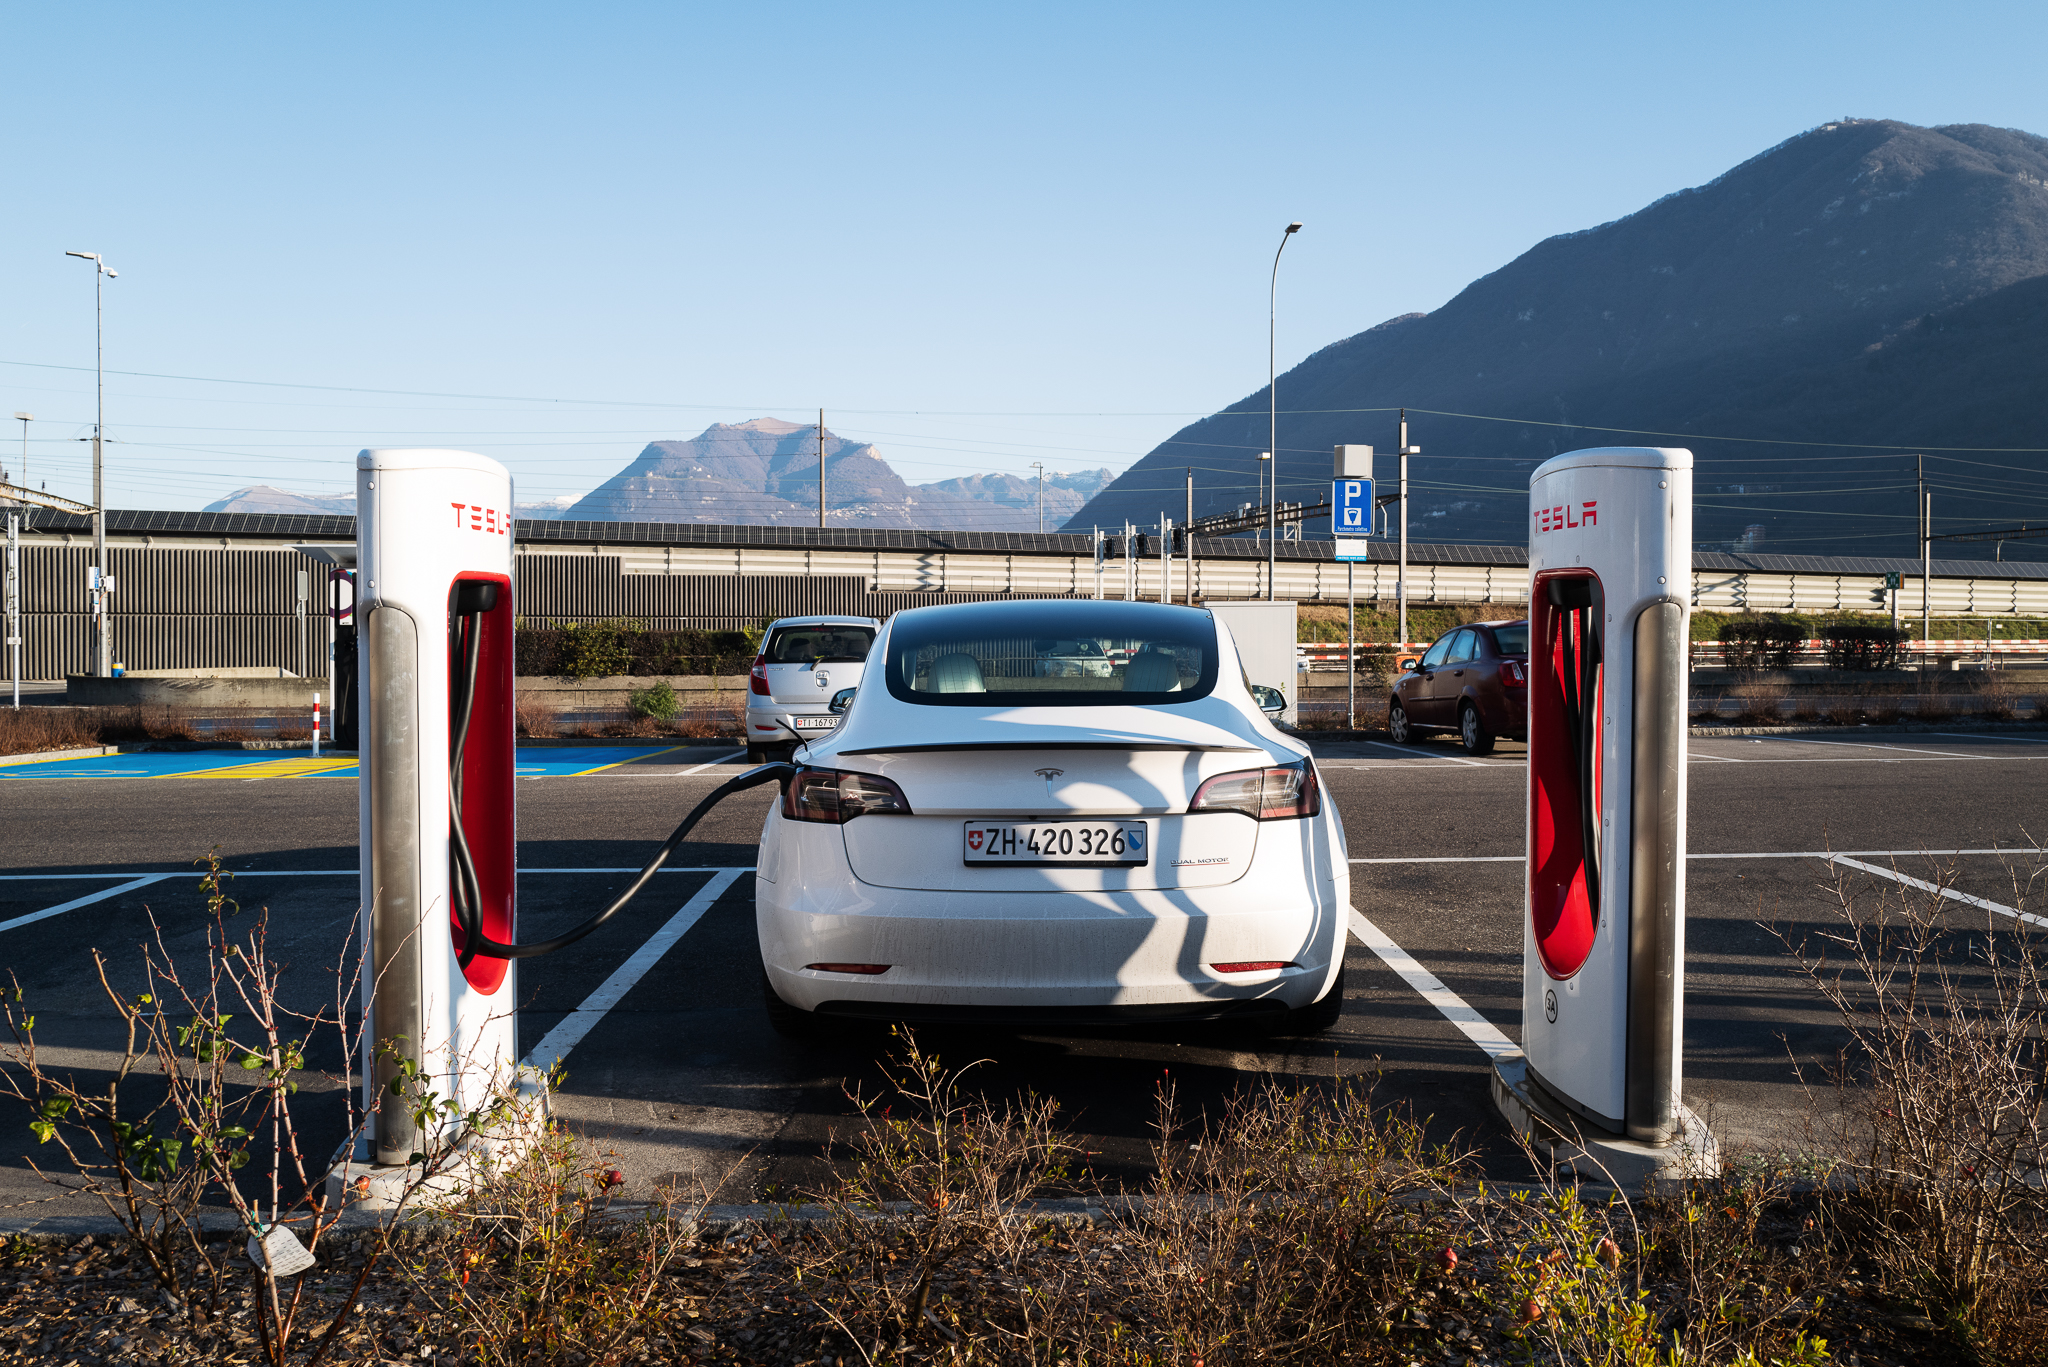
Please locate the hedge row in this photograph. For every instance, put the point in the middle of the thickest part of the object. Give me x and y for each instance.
(596, 650)
(1758, 644)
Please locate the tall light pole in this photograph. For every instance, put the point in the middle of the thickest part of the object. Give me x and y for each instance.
(1039, 466)
(103, 651)
(1273, 418)
(25, 419)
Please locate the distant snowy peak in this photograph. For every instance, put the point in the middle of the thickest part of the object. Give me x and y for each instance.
(262, 498)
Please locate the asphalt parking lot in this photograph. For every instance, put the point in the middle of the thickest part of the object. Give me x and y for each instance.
(669, 1057)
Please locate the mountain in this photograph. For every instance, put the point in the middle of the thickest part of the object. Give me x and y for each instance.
(1859, 293)
(765, 473)
(261, 498)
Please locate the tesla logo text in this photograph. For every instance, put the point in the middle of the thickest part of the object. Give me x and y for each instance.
(481, 519)
(1564, 515)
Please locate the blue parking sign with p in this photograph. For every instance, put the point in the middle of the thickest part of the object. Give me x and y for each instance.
(1351, 507)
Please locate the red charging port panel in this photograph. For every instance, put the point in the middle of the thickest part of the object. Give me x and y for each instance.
(487, 761)
(1564, 918)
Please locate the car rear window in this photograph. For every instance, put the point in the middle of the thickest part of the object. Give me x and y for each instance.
(1060, 654)
(818, 644)
(1512, 640)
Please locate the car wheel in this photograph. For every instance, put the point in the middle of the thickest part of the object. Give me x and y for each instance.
(1472, 730)
(1313, 1020)
(788, 1021)
(1397, 723)
(756, 755)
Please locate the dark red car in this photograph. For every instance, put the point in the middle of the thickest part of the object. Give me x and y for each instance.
(1473, 680)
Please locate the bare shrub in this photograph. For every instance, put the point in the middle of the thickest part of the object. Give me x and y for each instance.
(30, 730)
(1805, 709)
(535, 718)
(1883, 709)
(1942, 1108)
(1290, 1230)
(539, 1265)
(957, 1169)
(1998, 699)
(1934, 707)
(1846, 712)
(1761, 701)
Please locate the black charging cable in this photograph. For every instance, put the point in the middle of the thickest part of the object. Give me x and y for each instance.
(464, 885)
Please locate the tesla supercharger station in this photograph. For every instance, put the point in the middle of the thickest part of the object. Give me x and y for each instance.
(434, 663)
(1603, 927)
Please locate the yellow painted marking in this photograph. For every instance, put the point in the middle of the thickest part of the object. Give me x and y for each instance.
(276, 768)
(635, 760)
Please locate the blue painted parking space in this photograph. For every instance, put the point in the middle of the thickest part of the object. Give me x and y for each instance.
(538, 762)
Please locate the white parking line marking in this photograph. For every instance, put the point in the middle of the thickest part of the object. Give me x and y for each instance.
(349, 873)
(1940, 891)
(47, 912)
(1476, 1027)
(709, 763)
(1450, 859)
(1742, 854)
(1886, 746)
(569, 1032)
(1965, 735)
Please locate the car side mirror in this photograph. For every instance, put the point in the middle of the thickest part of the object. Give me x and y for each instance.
(1409, 664)
(1271, 701)
(841, 700)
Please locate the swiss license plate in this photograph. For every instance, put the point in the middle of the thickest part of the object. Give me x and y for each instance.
(816, 723)
(1107, 844)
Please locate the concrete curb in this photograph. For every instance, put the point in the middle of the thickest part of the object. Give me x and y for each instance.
(1893, 729)
(39, 756)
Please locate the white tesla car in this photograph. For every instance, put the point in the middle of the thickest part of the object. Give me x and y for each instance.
(981, 840)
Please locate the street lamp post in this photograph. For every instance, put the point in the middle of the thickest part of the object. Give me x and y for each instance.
(1273, 418)
(104, 646)
(1039, 466)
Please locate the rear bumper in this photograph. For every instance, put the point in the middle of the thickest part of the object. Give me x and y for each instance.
(775, 723)
(1020, 957)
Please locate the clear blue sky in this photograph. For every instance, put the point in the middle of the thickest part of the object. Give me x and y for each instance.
(978, 236)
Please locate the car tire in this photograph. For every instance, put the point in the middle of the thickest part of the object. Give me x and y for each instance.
(790, 1022)
(1324, 1013)
(756, 755)
(1472, 730)
(1398, 725)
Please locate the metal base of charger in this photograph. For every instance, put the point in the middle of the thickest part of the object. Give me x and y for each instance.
(357, 1184)
(1592, 1155)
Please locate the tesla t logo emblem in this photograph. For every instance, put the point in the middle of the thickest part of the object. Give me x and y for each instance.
(1048, 775)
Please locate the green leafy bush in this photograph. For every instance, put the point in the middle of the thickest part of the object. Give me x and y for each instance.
(659, 701)
(590, 650)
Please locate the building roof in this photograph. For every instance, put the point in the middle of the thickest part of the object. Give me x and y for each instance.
(541, 532)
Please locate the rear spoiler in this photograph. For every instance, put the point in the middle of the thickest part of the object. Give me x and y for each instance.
(1049, 745)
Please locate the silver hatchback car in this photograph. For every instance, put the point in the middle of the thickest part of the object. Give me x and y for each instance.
(804, 662)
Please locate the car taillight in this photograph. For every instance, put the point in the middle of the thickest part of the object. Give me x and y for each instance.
(1513, 674)
(757, 677)
(1278, 794)
(837, 797)
(865, 970)
(1252, 966)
